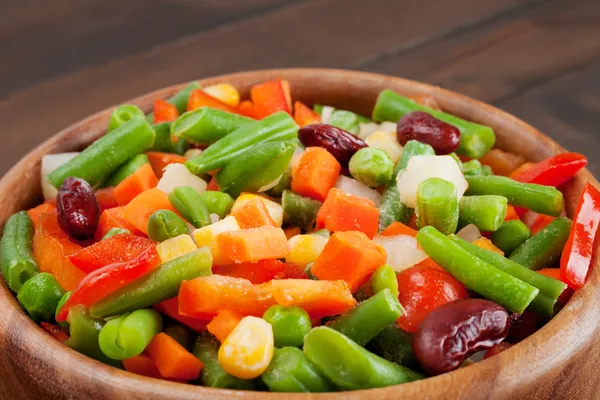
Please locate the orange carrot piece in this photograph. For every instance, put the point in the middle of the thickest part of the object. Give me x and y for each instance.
(159, 161)
(113, 218)
(246, 108)
(198, 98)
(540, 223)
(172, 359)
(142, 364)
(315, 173)
(271, 97)
(139, 210)
(164, 111)
(170, 308)
(398, 228)
(222, 325)
(342, 211)
(255, 244)
(253, 214)
(317, 298)
(521, 169)
(487, 244)
(291, 231)
(262, 271)
(36, 212)
(55, 331)
(349, 256)
(304, 115)
(511, 214)
(501, 162)
(106, 198)
(141, 180)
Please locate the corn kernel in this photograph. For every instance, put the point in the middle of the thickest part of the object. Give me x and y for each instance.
(305, 249)
(387, 142)
(224, 92)
(175, 247)
(207, 236)
(248, 349)
(275, 209)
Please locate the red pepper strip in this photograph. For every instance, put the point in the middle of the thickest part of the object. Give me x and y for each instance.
(104, 281)
(552, 172)
(261, 271)
(171, 308)
(577, 254)
(55, 331)
(164, 112)
(118, 248)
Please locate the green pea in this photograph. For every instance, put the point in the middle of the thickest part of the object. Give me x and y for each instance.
(128, 335)
(290, 325)
(165, 224)
(123, 114)
(217, 202)
(116, 231)
(371, 166)
(40, 295)
(63, 300)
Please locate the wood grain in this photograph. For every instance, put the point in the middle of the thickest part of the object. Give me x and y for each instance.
(557, 362)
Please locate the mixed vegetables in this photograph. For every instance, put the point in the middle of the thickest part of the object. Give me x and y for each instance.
(260, 245)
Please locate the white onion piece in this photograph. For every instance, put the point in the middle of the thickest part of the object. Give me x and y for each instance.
(402, 251)
(296, 157)
(354, 187)
(191, 153)
(365, 129)
(49, 163)
(214, 218)
(176, 175)
(388, 126)
(470, 233)
(421, 168)
(270, 185)
(326, 114)
(529, 218)
(387, 142)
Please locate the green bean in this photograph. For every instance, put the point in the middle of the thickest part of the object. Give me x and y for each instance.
(290, 371)
(126, 170)
(412, 148)
(511, 235)
(165, 224)
(40, 295)
(365, 321)
(179, 146)
(159, 285)
(545, 247)
(17, 262)
(486, 170)
(181, 333)
(162, 142)
(180, 99)
(541, 199)
(476, 274)
(290, 325)
(395, 345)
(188, 202)
(115, 231)
(217, 202)
(284, 183)
(371, 166)
(298, 210)
(458, 160)
(485, 212)
(384, 277)
(64, 325)
(276, 127)
(437, 205)
(207, 125)
(128, 335)
(550, 289)
(105, 155)
(345, 120)
(123, 114)
(472, 167)
(475, 140)
(350, 366)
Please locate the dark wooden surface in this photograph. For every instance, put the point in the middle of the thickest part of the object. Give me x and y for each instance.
(65, 59)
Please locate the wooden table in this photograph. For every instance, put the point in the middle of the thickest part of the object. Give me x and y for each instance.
(65, 59)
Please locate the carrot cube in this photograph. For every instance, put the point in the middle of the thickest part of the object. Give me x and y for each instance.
(250, 245)
(345, 212)
(315, 174)
(253, 214)
(398, 228)
(138, 211)
(199, 98)
(113, 218)
(222, 325)
(159, 161)
(172, 359)
(303, 115)
(270, 97)
(141, 180)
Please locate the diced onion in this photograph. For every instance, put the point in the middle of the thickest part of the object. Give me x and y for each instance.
(326, 113)
(387, 142)
(176, 175)
(354, 187)
(49, 163)
(270, 184)
(214, 218)
(296, 157)
(191, 153)
(470, 233)
(402, 251)
(365, 129)
(388, 126)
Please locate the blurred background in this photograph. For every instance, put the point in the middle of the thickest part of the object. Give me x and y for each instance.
(62, 60)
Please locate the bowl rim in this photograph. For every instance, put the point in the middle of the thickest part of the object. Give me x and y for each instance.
(500, 372)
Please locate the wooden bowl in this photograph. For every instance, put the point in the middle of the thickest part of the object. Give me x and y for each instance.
(557, 362)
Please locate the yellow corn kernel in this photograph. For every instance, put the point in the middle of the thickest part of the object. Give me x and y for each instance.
(275, 209)
(207, 236)
(487, 244)
(248, 350)
(305, 249)
(175, 247)
(387, 142)
(224, 92)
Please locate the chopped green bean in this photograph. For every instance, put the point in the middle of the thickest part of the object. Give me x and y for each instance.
(207, 125)
(395, 345)
(122, 115)
(298, 210)
(188, 202)
(128, 335)
(485, 212)
(40, 296)
(384, 277)
(17, 262)
(511, 235)
(437, 205)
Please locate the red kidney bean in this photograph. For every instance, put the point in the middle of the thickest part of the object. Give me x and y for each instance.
(522, 326)
(78, 208)
(452, 332)
(499, 348)
(340, 143)
(425, 128)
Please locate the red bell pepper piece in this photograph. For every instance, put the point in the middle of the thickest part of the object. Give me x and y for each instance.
(106, 198)
(577, 254)
(540, 223)
(511, 214)
(164, 112)
(118, 248)
(270, 97)
(553, 171)
(199, 98)
(261, 271)
(303, 115)
(104, 281)
(171, 308)
(247, 108)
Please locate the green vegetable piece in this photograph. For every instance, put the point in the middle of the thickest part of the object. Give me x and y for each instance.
(486, 170)
(345, 120)
(159, 285)
(475, 140)
(299, 211)
(545, 247)
(541, 199)
(412, 148)
(180, 99)
(550, 289)
(206, 349)
(16, 251)
(126, 170)
(149, 118)
(64, 325)
(181, 333)
(256, 167)
(180, 146)
(458, 160)
(217, 202)
(290, 325)
(39, 296)
(284, 183)
(107, 154)
(371, 166)
(365, 321)
(472, 167)
(116, 231)
(384, 277)
(207, 125)
(290, 371)
(511, 235)
(165, 224)
(188, 202)
(485, 212)
(128, 335)
(162, 142)
(318, 108)
(395, 345)
(276, 127)
(476, 274)
(437, 205)
(350, 366)
(123, 114)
